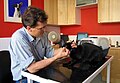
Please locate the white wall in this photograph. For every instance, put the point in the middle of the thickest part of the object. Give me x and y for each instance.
(4, 43)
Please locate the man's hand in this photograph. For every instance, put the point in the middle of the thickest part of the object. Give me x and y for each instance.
(61, 52)
(73, 45)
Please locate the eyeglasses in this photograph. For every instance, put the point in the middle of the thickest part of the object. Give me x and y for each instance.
(42, 28)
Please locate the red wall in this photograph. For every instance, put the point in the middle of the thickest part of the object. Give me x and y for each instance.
(89, 23)
(7, 28)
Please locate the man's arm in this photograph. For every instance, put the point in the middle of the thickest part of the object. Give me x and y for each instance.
(36, 66)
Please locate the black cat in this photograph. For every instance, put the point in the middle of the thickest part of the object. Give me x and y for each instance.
(85, 56)
(85, 59)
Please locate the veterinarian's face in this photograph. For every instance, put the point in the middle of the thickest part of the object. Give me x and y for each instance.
(39, 29)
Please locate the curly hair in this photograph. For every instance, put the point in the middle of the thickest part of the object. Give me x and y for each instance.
(32, 15)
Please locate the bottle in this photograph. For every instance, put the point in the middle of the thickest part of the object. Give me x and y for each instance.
(117, 43)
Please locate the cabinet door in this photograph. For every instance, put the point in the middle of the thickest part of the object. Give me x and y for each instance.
(115, 10)
(57, 11)
(108, 11)
(51, 8)
(62, 12)
(103, 11)
(71, 11)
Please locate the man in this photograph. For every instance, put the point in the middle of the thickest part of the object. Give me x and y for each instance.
(30, 44)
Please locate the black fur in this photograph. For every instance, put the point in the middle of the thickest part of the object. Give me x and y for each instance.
(85, 56)
(85, 59)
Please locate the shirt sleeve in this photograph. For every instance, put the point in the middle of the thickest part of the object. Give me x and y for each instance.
(49, 51)
(21, 53)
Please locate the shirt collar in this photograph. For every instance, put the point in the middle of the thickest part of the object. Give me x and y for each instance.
(30, 38)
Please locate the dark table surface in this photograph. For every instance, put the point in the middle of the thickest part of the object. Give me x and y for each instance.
(58, 72)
